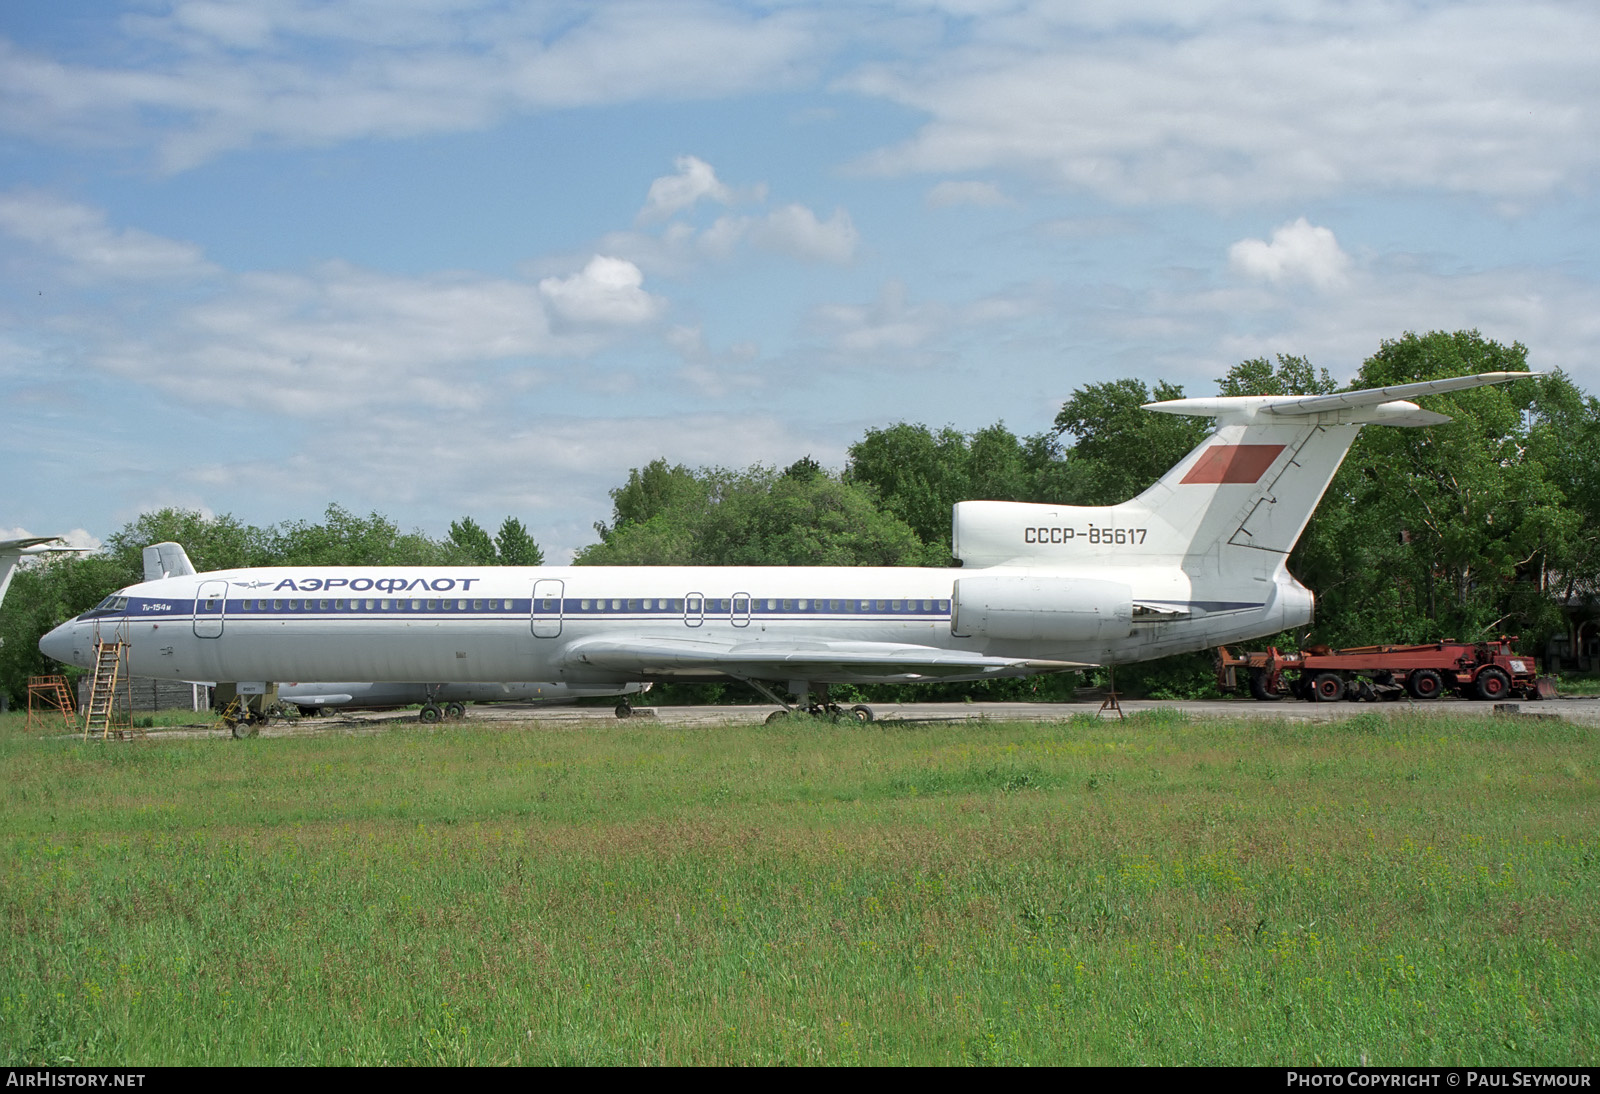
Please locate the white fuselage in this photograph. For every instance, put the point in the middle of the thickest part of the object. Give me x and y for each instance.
(466, 624)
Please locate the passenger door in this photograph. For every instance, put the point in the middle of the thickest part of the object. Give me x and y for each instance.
(544, 614)
(210, 602)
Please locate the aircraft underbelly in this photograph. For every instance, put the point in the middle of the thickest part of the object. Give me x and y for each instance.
(355, 650)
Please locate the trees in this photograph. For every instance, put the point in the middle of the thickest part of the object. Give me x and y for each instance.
(344, 539)
(756, 517)
(917, 474)
(468, 544)
(1290, 376)
(1564, 439)
(1439, 532)
(1118, 449)
(515, 547)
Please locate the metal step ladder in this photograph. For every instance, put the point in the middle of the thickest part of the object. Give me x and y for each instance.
(48, 696)
(100, 713)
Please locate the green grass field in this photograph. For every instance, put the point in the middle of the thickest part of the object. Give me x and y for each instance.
(1418, 891)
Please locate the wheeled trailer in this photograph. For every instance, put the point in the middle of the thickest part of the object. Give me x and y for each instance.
(1473, 670)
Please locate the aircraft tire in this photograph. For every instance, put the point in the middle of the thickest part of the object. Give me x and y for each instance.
(429, 714)
(863, 714)
(777, 716)
(240, 730)
(623, 710)
(1425, 684)
(1327, 687)
(455, 710)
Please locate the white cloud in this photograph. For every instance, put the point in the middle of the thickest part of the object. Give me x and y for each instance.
(1298, 252)
(607, 292)
(335, 341)
(794, 230)
(319, 344)
(80, 237)
(985, 195)
(1193, 330)
(1237, 102)
(671, 194)
(1223, 103)
(899, 331)
(205, 78)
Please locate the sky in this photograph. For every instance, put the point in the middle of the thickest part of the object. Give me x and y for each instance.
(446, 258)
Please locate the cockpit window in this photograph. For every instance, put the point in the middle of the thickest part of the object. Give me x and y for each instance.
(116, 602)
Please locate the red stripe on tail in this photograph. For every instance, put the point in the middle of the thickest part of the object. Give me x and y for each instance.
(1224, 463)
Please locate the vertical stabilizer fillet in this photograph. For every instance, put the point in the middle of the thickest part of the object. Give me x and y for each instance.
(166, 560)
(1251, 485)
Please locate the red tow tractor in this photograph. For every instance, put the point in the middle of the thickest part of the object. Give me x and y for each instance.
(1473, 670)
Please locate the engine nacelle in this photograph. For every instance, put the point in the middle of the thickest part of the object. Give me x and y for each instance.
(1041, 609)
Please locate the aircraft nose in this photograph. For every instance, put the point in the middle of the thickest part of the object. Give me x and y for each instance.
(62, 644)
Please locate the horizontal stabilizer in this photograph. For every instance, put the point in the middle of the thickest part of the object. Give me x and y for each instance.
(1322, 404)
(1371, 406)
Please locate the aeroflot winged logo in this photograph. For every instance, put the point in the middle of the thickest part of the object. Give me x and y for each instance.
(367, 584)
(1233, 463)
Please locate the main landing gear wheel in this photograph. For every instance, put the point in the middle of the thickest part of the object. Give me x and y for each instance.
(430, 713)
(777, 716)
(863, 714)
(455, 711)
(624, 710)
(1425, 684)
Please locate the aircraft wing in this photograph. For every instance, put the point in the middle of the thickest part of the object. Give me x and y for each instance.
(813, 659)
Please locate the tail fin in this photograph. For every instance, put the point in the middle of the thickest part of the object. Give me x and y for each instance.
(166, 560)
(1246, 492)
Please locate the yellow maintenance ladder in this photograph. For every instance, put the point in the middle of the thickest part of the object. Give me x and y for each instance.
(47, 694)
(101, 713)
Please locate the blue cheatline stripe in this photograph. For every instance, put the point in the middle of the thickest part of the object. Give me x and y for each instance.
(490, 608)
(571, 607)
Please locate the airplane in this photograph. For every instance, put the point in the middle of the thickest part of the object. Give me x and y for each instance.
(1195, 561)
(440, 700)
